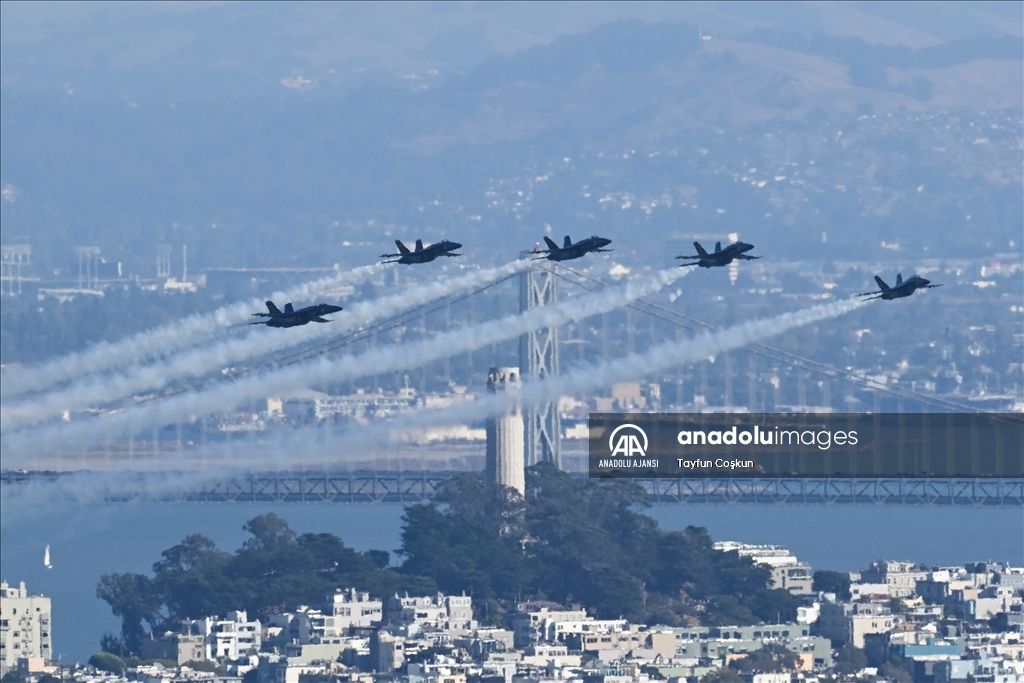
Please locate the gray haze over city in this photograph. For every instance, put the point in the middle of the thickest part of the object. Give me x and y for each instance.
(167, 167)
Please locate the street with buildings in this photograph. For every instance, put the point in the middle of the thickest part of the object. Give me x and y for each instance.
(893, 620)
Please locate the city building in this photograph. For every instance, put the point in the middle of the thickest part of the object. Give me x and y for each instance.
(848, 623)
(228, 638)
(901, 577)
(787, 572)
(24, 626)
(341, 612)
(535, 623)
(439, 611)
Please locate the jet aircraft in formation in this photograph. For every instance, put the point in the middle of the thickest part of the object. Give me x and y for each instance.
(422, 254)
(569, 251)
(720, 257)
(289, 317)
(901, 289)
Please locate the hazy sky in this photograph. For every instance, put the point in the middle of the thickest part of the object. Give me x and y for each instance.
(54, 39)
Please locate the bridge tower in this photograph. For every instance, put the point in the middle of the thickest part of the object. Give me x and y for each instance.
(14, 257)
(88, 266)
(538, 359)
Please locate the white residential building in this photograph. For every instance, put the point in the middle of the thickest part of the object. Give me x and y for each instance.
(24, 626)
(228, 638)
(439, 611)
(788, 573)
(342, 611)
(534, 624)
(901, 577)
(849, 623)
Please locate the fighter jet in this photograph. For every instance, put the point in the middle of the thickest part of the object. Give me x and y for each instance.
(902, 288)
(569, 251)
(421, 254)
(720, 257)
(292, 318)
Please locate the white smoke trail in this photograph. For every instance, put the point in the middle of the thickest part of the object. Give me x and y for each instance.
(99, 391)
(161, 341)
(175, 409)
(306, 449)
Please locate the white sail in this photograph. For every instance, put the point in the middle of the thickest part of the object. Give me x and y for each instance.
(46, 558)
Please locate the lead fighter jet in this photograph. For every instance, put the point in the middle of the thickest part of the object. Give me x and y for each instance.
(289, 317)
(901, 289)
(421, 254)
(569, 251)
(720, 257)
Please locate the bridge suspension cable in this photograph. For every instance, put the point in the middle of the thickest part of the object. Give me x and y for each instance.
(770, 352)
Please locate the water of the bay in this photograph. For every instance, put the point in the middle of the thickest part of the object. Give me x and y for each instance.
(87, 541)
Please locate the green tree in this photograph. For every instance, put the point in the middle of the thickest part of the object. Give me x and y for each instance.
(13, 676)
(131, 598)
(772, 658)
(832, 582)
(106, 661)
(776, 605)
(849, 660)
(722, 675)
(380, 558)
(895, 670)
(269, 532)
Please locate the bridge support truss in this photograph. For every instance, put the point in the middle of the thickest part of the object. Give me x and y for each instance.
(538, 359)
(418, 487)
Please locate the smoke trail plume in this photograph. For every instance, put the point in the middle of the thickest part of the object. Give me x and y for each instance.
(98, 391)
(303, 450)
(381, 360)
(161, 341)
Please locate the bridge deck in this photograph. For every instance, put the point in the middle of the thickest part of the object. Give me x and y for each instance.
(418, 487)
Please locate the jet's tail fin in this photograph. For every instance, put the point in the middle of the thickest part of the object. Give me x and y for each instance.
(402, 249)
(274, 310)
(899, 279)
(288, 308)
(718, 247)
(881, 284)
(419, 245)
(567, 242)
(700, 249)
(551, 243)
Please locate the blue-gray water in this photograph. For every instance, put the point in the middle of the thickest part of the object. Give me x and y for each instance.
(90, 540)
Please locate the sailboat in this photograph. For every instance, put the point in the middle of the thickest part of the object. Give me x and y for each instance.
(46, 558)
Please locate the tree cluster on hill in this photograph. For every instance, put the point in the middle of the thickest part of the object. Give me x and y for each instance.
(571, 540)
(580, 541)
(275, 570)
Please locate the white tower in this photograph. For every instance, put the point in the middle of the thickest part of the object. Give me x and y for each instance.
(505, 461)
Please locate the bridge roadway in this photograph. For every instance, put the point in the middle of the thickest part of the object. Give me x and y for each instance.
(375, 486)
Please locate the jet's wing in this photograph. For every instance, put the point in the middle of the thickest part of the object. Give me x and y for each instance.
(318, 319)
